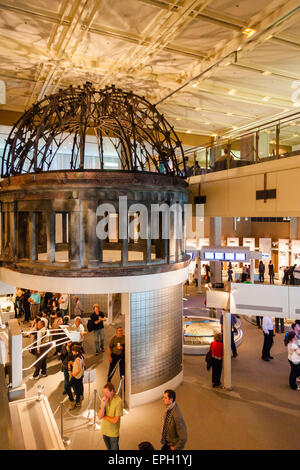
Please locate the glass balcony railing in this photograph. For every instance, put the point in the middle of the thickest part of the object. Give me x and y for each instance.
(273, 140)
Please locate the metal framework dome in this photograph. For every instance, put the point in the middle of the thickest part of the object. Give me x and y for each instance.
(143, 139)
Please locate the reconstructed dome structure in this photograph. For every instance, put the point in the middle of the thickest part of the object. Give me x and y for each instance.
(88, 230)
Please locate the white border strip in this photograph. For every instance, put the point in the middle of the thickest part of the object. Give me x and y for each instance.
(94, 285)
(142, 398)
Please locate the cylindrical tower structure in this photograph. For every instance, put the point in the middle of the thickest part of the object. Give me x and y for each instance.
(100, 231)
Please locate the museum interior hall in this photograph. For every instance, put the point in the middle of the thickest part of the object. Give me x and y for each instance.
(149, 225)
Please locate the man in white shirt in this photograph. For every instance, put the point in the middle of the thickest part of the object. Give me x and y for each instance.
(268, 330)
(63, 304)
(80, 328)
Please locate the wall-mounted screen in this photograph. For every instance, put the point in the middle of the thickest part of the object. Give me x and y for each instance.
(209, 255)
(229, 256)
(219, 256)
(240, 256)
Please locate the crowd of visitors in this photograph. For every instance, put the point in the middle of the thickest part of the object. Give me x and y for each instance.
(288, 274)
(49, 312)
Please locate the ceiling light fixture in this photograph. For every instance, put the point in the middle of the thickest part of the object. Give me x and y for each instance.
(198, 108)
(229, 114)
(296, 105)
(249, 31)
(269, 37)
(266, 98)
(188, 131)
(232, 92)
(266, 73)
(195, 85)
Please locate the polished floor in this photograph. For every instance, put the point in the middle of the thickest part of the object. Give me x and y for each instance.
(260, 413)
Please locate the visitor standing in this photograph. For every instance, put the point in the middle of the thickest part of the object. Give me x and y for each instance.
(261, 271)
(293, 358)
(268, 330)
(98, 318)
(110, 412)
(216, 348)
(285, 279)
(66, 356)
(271, 271)
(41, 350)
(63, 302)
(233, 331)
(229, 272)
(76, 376)
(116, 354)
(34, 301)
(78, 309)
(173, 435)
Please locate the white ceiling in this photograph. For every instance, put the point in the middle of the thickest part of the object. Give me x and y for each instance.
(154, 47)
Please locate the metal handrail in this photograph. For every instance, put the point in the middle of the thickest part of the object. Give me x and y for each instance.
(251, 130)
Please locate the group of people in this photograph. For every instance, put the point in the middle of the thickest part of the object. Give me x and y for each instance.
(288, 275)
(262, 269)
(48, 314)
(27, 303)
(173, 429)
(291, 340)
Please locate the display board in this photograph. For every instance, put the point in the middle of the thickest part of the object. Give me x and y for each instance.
(255, 299)
(265, 246)
(295, 249)
(231, 241)
(203, 242)
(250, 243)
(283, 254)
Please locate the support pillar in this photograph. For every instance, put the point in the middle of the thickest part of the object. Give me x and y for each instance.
(294, 228)
(84, 234)
(50, 229)
(74, 223)
(125, 303)
(109, 309)
(148, 240)
(227, 350)
(199, 276)
(215, 240)
(252, 265)
(93, 241)
(32, 236)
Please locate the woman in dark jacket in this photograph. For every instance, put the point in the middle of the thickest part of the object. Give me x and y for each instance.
(271, 271)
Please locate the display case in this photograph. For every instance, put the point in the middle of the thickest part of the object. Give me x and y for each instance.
(7, 309)
(33, 425)
(198, 333)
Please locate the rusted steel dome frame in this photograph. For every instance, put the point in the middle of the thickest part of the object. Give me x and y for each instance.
(142, 137)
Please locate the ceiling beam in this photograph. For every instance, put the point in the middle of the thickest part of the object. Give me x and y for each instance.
(159, 32)
(269, 20)
(225, 21)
